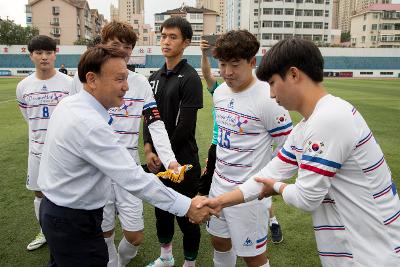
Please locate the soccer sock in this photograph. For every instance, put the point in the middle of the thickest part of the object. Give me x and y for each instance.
(112, 251)
(166, 251)
(36, 205)
(265, 265)
(189, 263)
(273, 220)
(224, 259)
(126, 252)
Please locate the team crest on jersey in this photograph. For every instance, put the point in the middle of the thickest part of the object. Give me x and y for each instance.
(281, 119)
(248, 242)
(230, 105)
(239, 124)
(44, 88)
(316, 147)
(125, 107)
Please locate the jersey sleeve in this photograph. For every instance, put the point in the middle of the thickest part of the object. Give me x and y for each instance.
(278, 123)
(191, 92)
(156, 128)
(21, 101)
(328, 143)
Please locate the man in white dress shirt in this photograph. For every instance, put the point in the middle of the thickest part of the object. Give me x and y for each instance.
(80, 156)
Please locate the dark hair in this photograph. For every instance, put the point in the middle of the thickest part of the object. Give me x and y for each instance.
(42, 42)
(239, 44)
(93, 59)
(94, 41)
(182, 24)
(119, 30)
(294, 52)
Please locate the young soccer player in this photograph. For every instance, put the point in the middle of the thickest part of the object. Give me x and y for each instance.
(206, 177)
(37, 96)
(178, 92)
(138, 102)
(342, 176)
(249, 123)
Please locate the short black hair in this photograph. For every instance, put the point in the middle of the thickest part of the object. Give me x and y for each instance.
(93, 59)
(42, 42)
(294, 52)
(182, 24)
(237, 44)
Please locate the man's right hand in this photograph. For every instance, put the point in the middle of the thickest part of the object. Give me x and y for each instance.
(153, 162)
(204, 45)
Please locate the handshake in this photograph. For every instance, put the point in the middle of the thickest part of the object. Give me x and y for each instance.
(202, 208)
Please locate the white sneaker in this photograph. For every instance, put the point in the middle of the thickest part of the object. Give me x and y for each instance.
(160, 262)
(39, 241)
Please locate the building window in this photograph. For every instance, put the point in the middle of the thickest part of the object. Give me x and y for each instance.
(299, 1)
(289, 1)
(256, 12)
(318, 13)
(278, 24)
(326, 25)
(319, 1)
(307, 37)
(288, 24)
(287, 36)
(255, 25)
(308, 13)
(267, 11)
(374, 27)
(266, 36)
(299, 12)
(278, 11)
(145, 31)
(308, 1)
(373, 38)
(364, 28)
(326, 13)
(325, 38)
(366, 73)
(298, 24)
(289, 11)
(318, 25)
(362, 39)
(307, 25)
(277, 36)
(136, 21)
(56, 10)
(267, 24)
(196, 38)
(317, 38)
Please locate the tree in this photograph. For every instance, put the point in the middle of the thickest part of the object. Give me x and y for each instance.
(81, 41)
(345, 37)
(13, 34)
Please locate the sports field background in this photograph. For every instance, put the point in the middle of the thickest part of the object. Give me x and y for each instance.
(377, 100)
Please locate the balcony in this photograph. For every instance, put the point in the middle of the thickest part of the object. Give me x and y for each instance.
(55, 34)
(54, 23)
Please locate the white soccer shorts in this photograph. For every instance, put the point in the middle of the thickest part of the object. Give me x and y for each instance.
(246, 225)
(128, 207)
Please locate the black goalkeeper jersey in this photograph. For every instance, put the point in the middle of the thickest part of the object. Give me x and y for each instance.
(179, 95)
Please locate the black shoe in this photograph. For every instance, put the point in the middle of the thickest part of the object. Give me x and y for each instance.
(276, 233)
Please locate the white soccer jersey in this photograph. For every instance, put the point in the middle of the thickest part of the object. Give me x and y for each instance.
(127, 119)
(249, 123)
(37, 100)
(343, 179)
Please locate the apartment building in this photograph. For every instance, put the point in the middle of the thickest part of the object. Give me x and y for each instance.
(218, 6)
(238, 14)
(203, 21)
(274, 20)
(376, 26)
(64, 20)
(348, 8)
(132, 12)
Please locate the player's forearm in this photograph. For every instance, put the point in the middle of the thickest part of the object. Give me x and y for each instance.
(148, 148)
(231, 198)
(161, 143)
(206, 70)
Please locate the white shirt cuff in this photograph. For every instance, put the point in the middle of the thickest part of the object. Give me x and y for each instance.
(250, 189)
(180, 206)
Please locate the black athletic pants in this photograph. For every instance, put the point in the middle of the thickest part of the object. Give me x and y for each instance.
(74, 236)
(206, 178)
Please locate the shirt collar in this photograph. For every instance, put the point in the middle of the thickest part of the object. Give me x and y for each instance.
(176, 69)
(94, 103)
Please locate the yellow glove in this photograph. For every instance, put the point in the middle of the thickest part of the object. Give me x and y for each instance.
(175, 177)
